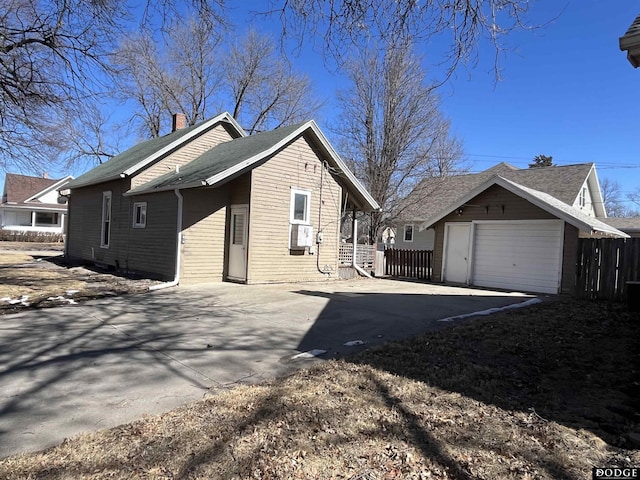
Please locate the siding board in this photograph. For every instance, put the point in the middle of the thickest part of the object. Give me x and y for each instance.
(148, 250)
(270, 260)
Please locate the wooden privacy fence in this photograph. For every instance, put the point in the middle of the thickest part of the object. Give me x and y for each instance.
(408, 263)
(605, 265)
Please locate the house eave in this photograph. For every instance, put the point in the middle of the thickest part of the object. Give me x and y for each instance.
(111, 178)
(56, 186)
(167, 188)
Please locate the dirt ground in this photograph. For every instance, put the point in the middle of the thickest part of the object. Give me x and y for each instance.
(545, 392)
(34, 275)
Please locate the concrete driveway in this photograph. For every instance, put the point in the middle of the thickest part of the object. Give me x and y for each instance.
(68, 370)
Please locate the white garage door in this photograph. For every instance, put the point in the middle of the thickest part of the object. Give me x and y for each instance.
(518, 256)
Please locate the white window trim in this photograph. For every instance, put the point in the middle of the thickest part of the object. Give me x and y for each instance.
(307, 215)
(143, 207)
(404, 232)
(106, 195)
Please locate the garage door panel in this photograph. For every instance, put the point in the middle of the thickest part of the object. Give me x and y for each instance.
(518, 256)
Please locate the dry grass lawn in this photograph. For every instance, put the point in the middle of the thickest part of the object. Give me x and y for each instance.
(546, 392)
(36, 280)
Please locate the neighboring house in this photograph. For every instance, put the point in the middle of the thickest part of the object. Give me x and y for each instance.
(30, 204)
(575, 185)
(208, 203)
(512, 228)
(630, 226)
(630, 42)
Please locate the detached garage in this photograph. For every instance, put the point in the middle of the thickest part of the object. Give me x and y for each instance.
(504, 235)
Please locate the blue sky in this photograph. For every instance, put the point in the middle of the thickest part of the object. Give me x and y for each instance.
(566, 91)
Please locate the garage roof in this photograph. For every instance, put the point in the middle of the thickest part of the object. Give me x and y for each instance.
(562, 182)
(542, 200)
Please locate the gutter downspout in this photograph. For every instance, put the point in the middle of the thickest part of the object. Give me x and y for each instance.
(354, 237)
(176, 279)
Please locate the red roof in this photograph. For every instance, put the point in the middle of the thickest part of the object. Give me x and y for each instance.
(19, 188)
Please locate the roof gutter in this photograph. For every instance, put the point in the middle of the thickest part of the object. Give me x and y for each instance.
(176, 279)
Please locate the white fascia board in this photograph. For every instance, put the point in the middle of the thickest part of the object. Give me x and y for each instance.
(217, 178)
(55, 186)
(184, 139)
(168, 188)
(590, 225)
(34, 207)
(596, 198)
(343, 167)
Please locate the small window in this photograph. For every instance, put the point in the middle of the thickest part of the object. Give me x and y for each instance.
(408, 232)
(44, 219)
(139, 214)
(300, 206)
(106, 220)
(583, 197)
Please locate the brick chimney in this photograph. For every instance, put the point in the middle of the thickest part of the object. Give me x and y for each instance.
(179, 121)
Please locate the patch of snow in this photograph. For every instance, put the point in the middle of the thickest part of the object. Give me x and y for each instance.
(5, 299)
(310, 354)
(71, 292)
(60, 298)
(354, 343)
(491, 311)
(14, 301)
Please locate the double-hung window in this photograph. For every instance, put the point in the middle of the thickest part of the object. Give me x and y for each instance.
(106, 220)
(139, 214)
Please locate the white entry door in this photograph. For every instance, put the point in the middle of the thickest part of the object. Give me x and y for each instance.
(238, 243)
(456, 252)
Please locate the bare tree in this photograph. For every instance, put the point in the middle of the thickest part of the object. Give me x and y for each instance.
(54, 58)
(49, 53)
(176, 74)
(612, 198)
(392, 130)
(266, 91)
(461, 24)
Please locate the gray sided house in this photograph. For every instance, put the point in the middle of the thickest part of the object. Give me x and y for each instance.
(208, 203)
(510, 228)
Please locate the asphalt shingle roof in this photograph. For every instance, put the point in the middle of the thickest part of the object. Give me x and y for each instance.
(218, 159)
(434, 194)
(21, 187)
(630, 224)
(133, 156)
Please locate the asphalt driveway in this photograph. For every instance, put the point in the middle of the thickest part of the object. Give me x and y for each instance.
(74, 369)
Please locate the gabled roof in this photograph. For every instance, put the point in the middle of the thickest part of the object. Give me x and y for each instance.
(230, 159)
(543, 200)
(139, 156)
(24, 189)
(433, 194)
